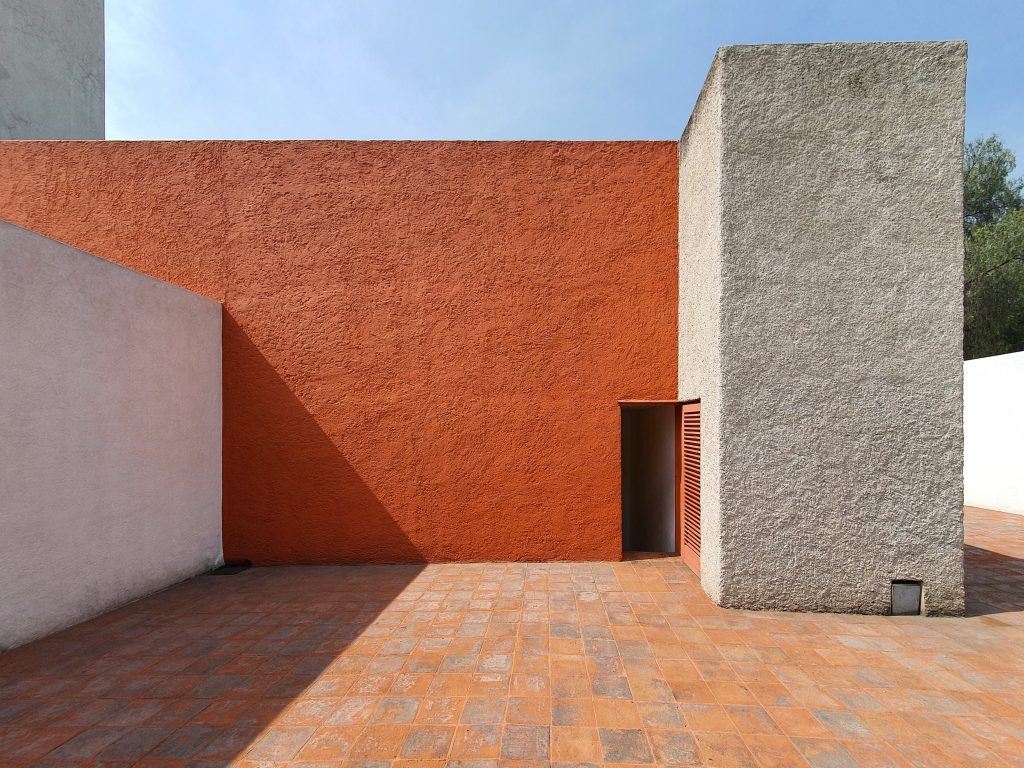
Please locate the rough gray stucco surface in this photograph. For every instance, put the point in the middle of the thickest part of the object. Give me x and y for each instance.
(110, 435)
(840, 321)
(51, 69)
(700, 259)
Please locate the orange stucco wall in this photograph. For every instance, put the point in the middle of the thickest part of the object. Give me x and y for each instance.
(424, 342)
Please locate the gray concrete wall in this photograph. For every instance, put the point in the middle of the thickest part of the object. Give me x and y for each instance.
(700, 286)
(110, 435)
(839, 317)
(51, 69)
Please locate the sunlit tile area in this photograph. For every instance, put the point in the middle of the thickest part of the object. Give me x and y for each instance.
(522, 664)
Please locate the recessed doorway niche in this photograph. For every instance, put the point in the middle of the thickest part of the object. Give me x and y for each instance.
(649, 436)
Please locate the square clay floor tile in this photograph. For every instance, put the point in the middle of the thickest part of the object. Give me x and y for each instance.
(329, 743)
(875, 754)
(440, 711)
(281, 743)
(135, 744)
(525, 742)
(625, 745)
(528, 711)
(798, 722)
(611, 687)
(843, 724)
(228, 743)
(612, 713)
(477, 742)
(661, 715)
(824, 753)
(773, 751)
(752, 720)
(312, 711)
(574, 745)
(675, 747)
(725, 749)
(87, 744)
(707, 718)
(575, 712)
(484, 710)
(428, 742)
(570, 686)
(380, 742)
(396, 709)
(353, 711)
(34, 743)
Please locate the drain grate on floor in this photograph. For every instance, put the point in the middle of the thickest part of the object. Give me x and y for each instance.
(906, 597)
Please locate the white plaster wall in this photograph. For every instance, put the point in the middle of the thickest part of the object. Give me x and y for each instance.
(994, 433)
(838, 306)
(51, 69)
(110, 435)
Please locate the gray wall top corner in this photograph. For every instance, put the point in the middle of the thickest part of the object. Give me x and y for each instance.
(830, 376)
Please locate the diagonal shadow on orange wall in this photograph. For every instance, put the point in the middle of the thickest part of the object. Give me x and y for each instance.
(290, 496)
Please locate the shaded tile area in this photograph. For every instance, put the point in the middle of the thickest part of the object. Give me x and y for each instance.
(493, 665)
(994, 563)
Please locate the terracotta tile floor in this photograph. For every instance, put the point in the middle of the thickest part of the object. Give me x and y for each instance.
(515, 664)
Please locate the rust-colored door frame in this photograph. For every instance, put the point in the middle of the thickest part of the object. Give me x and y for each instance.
(688, 522)
(690, 557)
(679, 478)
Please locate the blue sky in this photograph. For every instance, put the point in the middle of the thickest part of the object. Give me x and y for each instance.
(494, 69)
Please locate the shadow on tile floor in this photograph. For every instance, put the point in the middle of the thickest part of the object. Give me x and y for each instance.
(540, 663)
(994, 582)
(200, 671)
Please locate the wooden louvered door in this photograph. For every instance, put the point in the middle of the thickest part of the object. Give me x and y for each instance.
(689, 485)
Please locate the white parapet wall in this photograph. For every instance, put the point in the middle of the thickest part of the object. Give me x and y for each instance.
(110, 435)
(994, 433)
(821, 279)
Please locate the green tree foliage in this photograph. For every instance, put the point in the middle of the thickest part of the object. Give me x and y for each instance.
(993, 251)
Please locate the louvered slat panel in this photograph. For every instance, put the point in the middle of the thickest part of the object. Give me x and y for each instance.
(690, 482)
